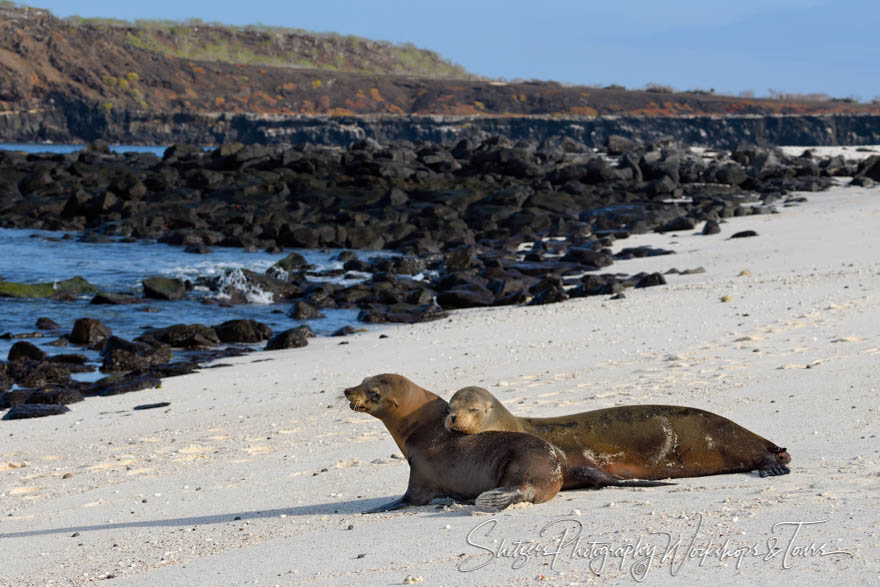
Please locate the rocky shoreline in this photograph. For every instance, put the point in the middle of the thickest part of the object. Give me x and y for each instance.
(487, 223)
(75, 123)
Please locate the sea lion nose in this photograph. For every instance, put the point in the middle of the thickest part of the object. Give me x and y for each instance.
(347, 392)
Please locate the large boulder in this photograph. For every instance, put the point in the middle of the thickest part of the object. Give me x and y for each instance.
(292, 262)
(37, 374)
(288, 339)
(188, 336)
(164, 288)
(401, 313)
(23, 350)
(60, 396)
(586, 256)
(466, 295)
(123, 355)
(870, 168)
(242, 331)
(47, 324)
(89, 331)
(304, 311)
(117, 384)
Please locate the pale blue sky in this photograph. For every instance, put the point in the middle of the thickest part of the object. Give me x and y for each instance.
(804, 46)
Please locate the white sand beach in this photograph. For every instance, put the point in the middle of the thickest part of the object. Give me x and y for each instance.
(257, 472)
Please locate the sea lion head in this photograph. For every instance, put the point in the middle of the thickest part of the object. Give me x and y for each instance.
(470, 410)
(379, 395)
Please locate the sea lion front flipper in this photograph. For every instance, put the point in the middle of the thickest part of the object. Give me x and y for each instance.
(414, 496)
(594, 478)
(500, 498)
(774, 470)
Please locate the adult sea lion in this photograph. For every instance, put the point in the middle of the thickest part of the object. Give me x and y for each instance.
(495, 469)
(641, 441)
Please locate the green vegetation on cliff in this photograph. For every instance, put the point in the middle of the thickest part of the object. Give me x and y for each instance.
(260, 44)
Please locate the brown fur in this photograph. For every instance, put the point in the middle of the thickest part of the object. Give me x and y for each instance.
(642, 441)
(496, 469)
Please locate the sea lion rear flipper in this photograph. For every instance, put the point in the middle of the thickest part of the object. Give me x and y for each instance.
(593, 478)
(639, 483)
(774, 470)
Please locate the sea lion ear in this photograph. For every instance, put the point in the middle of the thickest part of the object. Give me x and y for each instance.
(396, 405)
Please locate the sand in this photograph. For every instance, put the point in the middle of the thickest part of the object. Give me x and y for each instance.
(257, 472)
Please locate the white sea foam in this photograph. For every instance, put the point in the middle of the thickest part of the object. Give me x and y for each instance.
(233, 279)
(211, 268)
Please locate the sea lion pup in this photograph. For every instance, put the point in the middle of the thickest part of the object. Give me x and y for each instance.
(496, 469)
(643, 441)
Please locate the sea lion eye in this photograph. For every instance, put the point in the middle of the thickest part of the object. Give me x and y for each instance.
(475, 410)
(373, 395)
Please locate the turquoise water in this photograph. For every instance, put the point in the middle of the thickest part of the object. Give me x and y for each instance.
(33, 256)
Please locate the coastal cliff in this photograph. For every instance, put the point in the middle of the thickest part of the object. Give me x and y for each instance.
(72, 124)
(69, 80)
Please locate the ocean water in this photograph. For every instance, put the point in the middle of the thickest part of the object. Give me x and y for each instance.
(33, 256)
(64, 148)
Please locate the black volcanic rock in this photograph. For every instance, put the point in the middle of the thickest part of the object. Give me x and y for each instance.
(242, 331)
(651, 280)
(344, 331)
(47, 324)
(292, 262)
(59, 396)
(588, 257)
(164, 288)
(188, 336)
(118, 384)
(36, 374)
(618, 145)
(24, 411)
(287, 339)
(23, 350)
(711, 227)
(114, 299)
(89, 331)
(870, 168)
(304, 311)
(466, 295)
(123, 355)
(401, 313)
(678, 224)
(548, 291)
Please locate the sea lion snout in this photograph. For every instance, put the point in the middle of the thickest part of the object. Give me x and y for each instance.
(356, 398)
(458, 422)
(375, 395)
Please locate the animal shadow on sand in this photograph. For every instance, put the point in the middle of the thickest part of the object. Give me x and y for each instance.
(348, 507)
